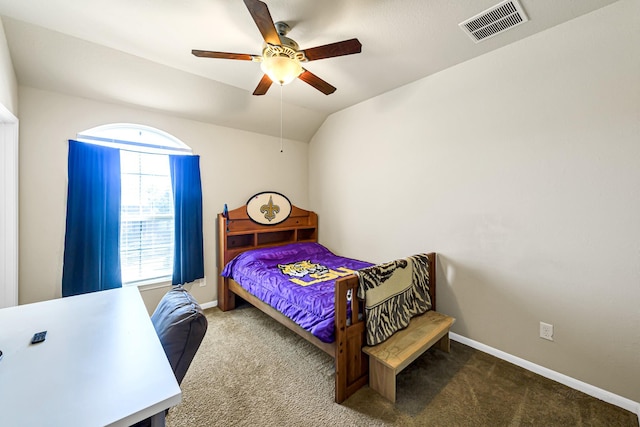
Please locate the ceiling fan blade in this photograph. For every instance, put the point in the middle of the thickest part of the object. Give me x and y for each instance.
(317, 82)
(345, 47)
(263, 86)
(260, 14)
(222, 55)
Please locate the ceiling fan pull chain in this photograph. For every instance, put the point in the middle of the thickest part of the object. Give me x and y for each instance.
(281, 149)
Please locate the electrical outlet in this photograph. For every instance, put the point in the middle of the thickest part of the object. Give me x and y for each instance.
(546, 331)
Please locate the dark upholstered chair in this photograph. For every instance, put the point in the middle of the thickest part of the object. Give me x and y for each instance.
(180, 325)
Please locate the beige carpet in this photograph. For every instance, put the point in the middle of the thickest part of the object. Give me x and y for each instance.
(251, 371)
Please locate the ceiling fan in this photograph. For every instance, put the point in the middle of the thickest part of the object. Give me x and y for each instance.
(281, 57)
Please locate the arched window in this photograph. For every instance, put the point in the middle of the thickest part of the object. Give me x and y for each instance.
(127, 136)
(146, 210)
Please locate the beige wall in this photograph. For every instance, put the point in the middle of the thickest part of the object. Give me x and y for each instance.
(8, 81)
(521, 168)
(8, 177)
(234, 165)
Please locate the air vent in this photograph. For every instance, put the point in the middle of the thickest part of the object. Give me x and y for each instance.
(493, 21)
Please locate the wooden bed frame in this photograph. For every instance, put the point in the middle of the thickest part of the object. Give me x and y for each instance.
(238, 233)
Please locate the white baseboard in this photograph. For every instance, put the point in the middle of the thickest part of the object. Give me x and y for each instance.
(596, 392)
(209, 304)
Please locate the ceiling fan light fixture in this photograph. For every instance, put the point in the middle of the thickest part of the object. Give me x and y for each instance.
(281, 69)
(281, 56)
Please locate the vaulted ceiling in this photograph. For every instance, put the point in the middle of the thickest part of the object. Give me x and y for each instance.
(138, 52)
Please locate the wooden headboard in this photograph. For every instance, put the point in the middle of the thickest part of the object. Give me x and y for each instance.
(238, 233)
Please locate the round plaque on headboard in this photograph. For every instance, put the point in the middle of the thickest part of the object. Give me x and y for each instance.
(268, 208)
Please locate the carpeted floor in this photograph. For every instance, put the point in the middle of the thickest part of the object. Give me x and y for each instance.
(251, 371)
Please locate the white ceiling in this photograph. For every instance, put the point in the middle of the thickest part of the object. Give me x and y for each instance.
(138, 52)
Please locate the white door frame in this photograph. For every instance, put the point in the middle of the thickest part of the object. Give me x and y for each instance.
(8, 208)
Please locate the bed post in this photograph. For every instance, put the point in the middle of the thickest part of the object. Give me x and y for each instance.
(226, 298)
(352, 365)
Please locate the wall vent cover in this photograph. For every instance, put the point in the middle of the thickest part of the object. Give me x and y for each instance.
(495, 20)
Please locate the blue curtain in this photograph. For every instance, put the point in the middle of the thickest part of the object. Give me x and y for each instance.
(92, 237)
(188, 260)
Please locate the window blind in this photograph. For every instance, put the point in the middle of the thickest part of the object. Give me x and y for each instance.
(146, 217)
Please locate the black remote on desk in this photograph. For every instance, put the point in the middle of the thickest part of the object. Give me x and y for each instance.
(38, 337)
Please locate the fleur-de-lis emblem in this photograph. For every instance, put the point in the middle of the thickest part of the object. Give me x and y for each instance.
(270, 210)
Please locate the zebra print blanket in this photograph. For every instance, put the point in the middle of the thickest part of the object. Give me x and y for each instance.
(393, 292)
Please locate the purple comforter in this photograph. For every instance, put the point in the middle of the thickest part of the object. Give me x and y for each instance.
(296, 279)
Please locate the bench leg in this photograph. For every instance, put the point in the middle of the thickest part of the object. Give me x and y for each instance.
(382, 379)
(444, 344)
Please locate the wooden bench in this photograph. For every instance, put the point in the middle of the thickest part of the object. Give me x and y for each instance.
(390, 357)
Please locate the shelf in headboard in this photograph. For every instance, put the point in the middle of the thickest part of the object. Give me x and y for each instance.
(279, 236)
(245, 239)
(240, 240)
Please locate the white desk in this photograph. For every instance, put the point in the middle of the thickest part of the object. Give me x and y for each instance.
(101, 363)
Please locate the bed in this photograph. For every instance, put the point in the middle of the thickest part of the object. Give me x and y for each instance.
(344, 336)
